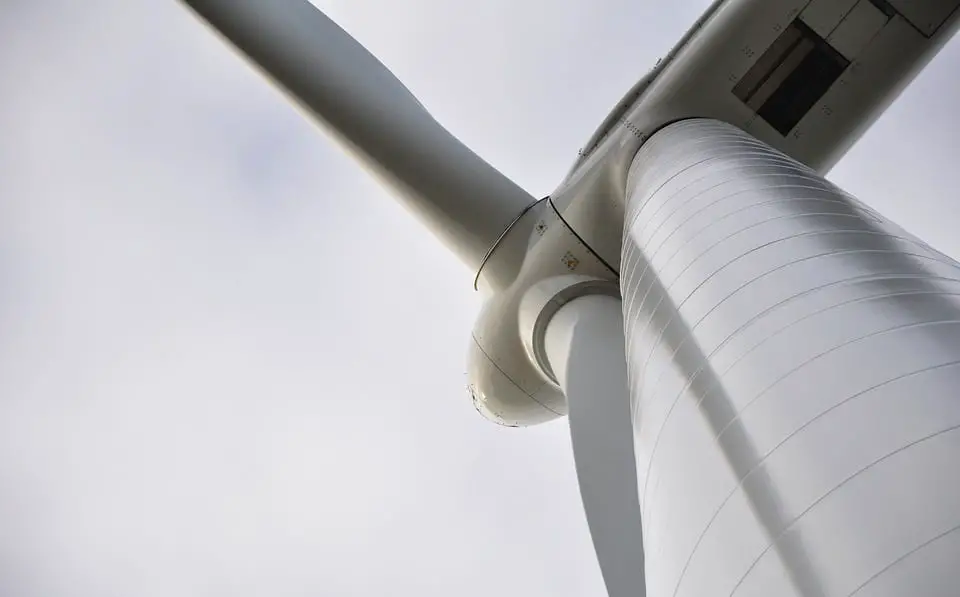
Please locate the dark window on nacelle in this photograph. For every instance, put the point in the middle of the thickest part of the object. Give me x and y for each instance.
(790, 77)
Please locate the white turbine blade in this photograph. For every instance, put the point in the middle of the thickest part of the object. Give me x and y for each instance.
(462, 199)
(584, 345)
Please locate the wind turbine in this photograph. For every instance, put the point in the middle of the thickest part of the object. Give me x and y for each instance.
(753, 363)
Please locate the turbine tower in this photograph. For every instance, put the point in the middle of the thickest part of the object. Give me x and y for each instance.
(760, 372)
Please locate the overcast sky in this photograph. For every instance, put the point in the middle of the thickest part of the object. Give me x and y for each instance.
(230, 365)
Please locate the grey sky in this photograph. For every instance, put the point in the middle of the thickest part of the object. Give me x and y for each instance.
(230, 365)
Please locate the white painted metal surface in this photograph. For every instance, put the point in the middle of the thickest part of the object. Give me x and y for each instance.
(927, 15)
(857, 29)
(794, 361)
(823, 16)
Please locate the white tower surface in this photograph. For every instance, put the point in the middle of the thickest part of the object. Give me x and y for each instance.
(794, 365)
